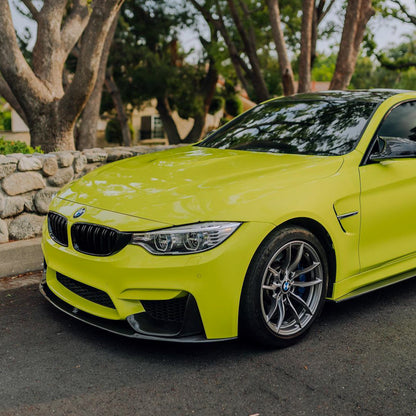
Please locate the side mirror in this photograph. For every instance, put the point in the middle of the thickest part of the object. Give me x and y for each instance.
(394, 148)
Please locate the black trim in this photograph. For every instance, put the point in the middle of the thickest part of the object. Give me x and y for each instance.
(365, 160)
(85, 291)
(189, 323)
(98, 240)
(58, 228)
(119, 327)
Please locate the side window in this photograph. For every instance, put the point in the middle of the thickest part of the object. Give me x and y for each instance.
(401, 122)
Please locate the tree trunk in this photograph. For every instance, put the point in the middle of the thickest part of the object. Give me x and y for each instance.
(168, 123)
(219, 25)
(118, 104)
(249, 41)
(197, 128)
(286, 71)
(50, 112)
(49, 130)
(357, 16)
(86, 135)
(306, 46)
(87, 131)
(314, 37)
(208, 91)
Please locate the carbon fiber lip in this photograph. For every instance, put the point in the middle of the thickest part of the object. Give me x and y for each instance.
(115, 327)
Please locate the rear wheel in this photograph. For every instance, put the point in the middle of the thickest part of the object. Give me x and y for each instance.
(285, 288)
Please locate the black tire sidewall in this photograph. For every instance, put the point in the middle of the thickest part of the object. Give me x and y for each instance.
(252, 324)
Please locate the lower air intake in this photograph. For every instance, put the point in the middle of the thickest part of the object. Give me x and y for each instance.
(172, 310)
(84, 291)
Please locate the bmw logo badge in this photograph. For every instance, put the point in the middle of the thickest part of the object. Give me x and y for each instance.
(79, 212)
(286, 286)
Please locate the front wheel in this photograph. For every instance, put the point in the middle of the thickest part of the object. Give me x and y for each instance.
(285, 288)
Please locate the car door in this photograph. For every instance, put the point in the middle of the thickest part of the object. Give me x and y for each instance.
(388, 197)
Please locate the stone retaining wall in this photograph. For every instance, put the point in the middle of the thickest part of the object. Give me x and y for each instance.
(28, 183)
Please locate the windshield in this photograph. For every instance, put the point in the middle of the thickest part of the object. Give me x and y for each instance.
(321, 127)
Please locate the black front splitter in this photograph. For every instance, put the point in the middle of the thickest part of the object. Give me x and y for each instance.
(115, 327)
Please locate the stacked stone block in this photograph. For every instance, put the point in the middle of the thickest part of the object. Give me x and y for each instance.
(29, 182)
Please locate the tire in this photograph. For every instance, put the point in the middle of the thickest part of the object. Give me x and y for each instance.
(284, 289)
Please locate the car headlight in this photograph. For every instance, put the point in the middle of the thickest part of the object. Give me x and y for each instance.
(186, 239)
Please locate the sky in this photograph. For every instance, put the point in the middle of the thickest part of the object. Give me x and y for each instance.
(388, 32)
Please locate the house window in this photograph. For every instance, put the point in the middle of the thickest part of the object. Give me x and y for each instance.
(151, 128)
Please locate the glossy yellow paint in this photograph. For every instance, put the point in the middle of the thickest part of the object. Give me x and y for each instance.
(214, 278)
(194, 184)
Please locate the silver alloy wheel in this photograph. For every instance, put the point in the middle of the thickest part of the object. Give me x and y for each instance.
(291, 288)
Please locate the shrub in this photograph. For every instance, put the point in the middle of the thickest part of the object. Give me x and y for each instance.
(233, 106)
(113, 131)
(217, 104)
(7, 147)
(5, 121)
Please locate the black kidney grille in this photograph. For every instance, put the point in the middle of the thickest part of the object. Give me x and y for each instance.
(57, 225)
(172, 310)
(97, 240)
(87, 292)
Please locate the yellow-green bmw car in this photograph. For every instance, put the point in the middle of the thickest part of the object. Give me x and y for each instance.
(298, 200)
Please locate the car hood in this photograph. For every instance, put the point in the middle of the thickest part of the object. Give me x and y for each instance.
(191, 184)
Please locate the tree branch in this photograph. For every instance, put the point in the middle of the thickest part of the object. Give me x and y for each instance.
(74, 25)
(405, 11)
(322, 12)
(286, 70)
(239, 24)
(13, 66)
(47, 60)
(219, 25)
(32, 9)
(400, 63)
(102, 16)
(8, 95)
(249, 41)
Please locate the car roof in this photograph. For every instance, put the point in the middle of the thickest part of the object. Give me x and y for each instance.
(372, 96)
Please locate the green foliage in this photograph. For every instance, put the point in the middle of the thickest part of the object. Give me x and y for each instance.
(372, 74)
(227, 98)
(233, 106)
(217, 104)
(364, 76)
(402, 57)
(5, 120)
(324, 67)
(273, 79)
(147, 61)
(113, 131)
(7, 147)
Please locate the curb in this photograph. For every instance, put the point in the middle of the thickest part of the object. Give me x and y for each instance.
(20, 257)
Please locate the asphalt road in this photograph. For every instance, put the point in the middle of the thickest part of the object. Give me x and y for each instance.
(360, 359)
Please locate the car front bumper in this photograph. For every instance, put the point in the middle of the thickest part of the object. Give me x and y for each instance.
(193, 298)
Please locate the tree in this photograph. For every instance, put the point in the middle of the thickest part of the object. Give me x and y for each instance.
(86, 134)
(218, 15)
(244, 26)
(357, 15)
(407, 59)
(147, 62)
(370, 73)
(279, 40)
(50, 110)
(401, 12)
(312, 16)
(305, 58)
